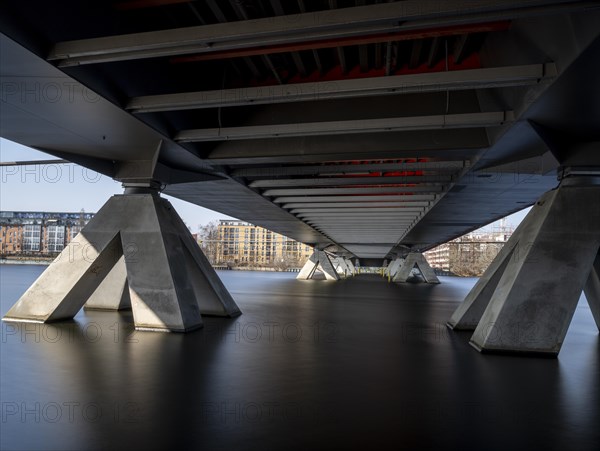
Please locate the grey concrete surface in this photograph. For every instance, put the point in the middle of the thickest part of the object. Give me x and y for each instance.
(532, 306)
(113, 291)
(171, 284)
(470, 311)
(415, 260)
(392, 268)
(321, 261)
(592, 290)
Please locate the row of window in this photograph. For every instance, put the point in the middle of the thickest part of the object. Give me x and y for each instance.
(32, 239)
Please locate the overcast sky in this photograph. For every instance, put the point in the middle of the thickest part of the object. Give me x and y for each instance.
(72, 188)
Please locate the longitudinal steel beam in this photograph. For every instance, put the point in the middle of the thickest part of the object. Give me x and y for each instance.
(437, 166)
(344, 199)
(34, 162)
(433, 122)
(343, 181)
(317, 26)
(306, 192)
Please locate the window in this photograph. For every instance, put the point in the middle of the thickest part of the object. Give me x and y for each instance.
(56, 238)
(32, 236)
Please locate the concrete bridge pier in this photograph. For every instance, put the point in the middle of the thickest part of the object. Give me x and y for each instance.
(113, 291)
(350, 266)
(392, 269)
(169, 281)
(592, 290)
(525, 301)
(341, 266)
(412, 260)
(319, 260)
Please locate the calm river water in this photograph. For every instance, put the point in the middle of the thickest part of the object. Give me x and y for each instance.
(358, 363)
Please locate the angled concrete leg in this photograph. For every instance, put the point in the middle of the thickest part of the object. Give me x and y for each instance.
(341, 267)
(592, 290)
(351, 267)
(212, 296)
(62, 289)
(318, 260)
(535, 299)
(309, 267)
(113, 291)
(469, 312)
(415, 259)
(170, 282)
(392, 268)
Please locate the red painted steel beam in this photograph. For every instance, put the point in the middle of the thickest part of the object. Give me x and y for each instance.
(354, 40)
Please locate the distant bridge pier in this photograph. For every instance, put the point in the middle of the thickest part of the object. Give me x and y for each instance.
(170, 283)
(350, 266)
(341, 266)
(412, 261)
(319, 260)
(392, 269)
(526, 299)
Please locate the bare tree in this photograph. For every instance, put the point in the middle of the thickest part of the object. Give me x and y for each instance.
(208, 239)
(471, 259)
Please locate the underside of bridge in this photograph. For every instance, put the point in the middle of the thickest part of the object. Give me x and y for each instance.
(380, 128)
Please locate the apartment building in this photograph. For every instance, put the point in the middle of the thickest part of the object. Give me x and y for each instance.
(38, 233)
(241, 243)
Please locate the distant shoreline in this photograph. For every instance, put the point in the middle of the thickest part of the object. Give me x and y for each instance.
(41, 261)
(47, 261)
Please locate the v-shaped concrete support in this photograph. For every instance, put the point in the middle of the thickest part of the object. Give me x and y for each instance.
(170, 282)
(341, 266)
(113, 291)
(526, 299)
(592, 290)
(318, 260)
(392, 269)
(415, 259)
(351, 267)
(469, 312)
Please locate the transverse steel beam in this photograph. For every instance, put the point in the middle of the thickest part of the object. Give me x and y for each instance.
(305, 192)
(343, 181)
(433, 166)
(335, 205)
(375, 86)
(433, 122)
(399, 210)
(343, 199)
(333, 24)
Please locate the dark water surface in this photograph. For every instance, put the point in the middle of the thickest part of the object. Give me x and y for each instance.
(309, 365)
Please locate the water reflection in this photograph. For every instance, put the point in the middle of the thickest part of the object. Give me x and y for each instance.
(579, 370)
(357, 363)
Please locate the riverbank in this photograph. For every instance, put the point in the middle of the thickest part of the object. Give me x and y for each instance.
(254, 268)
(32, 261)
(47, 261)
